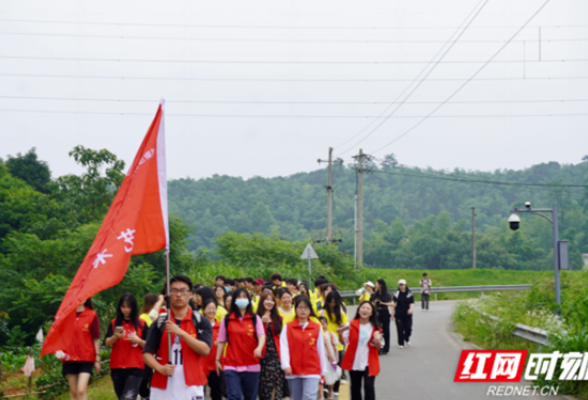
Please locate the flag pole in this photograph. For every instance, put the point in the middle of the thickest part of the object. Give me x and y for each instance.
(169, 354)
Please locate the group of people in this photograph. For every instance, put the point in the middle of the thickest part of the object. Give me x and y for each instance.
(243, 338)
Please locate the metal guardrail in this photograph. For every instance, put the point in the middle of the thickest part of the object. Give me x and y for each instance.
(529, 333)
(456, 289)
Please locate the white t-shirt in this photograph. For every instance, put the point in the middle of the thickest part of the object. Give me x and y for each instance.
(360, 362)
(176, 385)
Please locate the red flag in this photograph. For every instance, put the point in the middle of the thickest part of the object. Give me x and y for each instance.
(136, 223)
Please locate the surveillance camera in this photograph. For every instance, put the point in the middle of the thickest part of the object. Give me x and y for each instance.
(528, 204)
(514, 221)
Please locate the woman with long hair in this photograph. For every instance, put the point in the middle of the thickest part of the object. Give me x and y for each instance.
(302, 351)
(271, 380)
(402, 304)
(382, 299)
(364, 339)
(126, 335)
(243, 330)
(219, 295)
(337, 322)
(83, 353)
(209, 309)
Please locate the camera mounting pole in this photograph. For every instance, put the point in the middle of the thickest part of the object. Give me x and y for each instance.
(556, 267)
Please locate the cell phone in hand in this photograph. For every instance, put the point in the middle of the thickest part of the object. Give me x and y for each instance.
(119, 329)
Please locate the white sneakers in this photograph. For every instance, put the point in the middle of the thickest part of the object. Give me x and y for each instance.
(401, 347)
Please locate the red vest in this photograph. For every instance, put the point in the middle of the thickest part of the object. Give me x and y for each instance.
(243, 341)
(210, 364)
(82, 346)
(373, 357)
(275, 337)
(124, 353)
(193, 363)
(302, 343)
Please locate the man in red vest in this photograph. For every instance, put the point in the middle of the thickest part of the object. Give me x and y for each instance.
(181, 374)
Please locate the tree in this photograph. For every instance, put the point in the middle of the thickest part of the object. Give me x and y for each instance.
(89, 195)
(389, 161)
(28, 168)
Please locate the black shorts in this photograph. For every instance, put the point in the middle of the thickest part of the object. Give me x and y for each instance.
(76, 368)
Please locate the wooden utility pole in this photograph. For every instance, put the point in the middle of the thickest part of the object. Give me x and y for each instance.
(329, 188)
(473, 237)
(360, 209)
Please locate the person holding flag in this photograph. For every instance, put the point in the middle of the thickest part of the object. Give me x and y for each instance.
(178, 374)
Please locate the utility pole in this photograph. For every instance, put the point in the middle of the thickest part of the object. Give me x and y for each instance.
(361, 168)
(360, 209)
(473, 237)
(329, 188)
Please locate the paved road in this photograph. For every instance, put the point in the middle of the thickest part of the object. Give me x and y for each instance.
(427, 368)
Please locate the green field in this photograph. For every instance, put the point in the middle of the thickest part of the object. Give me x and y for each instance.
(469, 277)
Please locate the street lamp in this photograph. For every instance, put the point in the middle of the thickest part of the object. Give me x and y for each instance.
(559, 247)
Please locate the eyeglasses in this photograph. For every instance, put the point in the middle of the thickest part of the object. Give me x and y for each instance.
(183, 292)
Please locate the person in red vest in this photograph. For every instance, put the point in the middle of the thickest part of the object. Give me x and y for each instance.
(126, 334)
(179, 375)
(271, 381)
(302, 352)
(364, 340)
(243, 331)
(209, 308)
(83, 353)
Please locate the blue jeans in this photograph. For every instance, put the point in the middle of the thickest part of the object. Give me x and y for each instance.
(302, 388)
(242, 385)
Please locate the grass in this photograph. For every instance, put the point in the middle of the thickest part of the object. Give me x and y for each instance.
(100, 389)
(535, 308)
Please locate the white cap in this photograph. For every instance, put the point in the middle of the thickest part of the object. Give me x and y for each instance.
(402, 282)
(369, 283)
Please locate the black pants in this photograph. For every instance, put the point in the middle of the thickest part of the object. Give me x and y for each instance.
(214, 382)
(403, 328)
(385, 323)
(338, 383)
(126, 387)
(425, 301)
(145, 386)
(368, 385)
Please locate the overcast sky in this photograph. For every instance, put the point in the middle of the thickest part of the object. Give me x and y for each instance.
(265, 87)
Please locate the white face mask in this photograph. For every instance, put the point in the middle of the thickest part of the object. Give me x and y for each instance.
(242, 303)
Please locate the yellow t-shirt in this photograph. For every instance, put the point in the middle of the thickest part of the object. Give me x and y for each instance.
(145, 317)
(220, 313)
(332, 325)
(365, 297)
(254, 302)
(287, 317)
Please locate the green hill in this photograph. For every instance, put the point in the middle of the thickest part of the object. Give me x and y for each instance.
(414, 218)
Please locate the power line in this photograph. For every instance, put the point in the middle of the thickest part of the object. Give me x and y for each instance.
(453, 42)
(279, 62)
(319, 80)
(292, 116)
(287, 102)
(274, 40)
(347, 27)
(484, 181)
(466, 82)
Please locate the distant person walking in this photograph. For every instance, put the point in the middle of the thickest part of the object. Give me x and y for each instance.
(425, 291)
(403, 301)
(382, 299)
